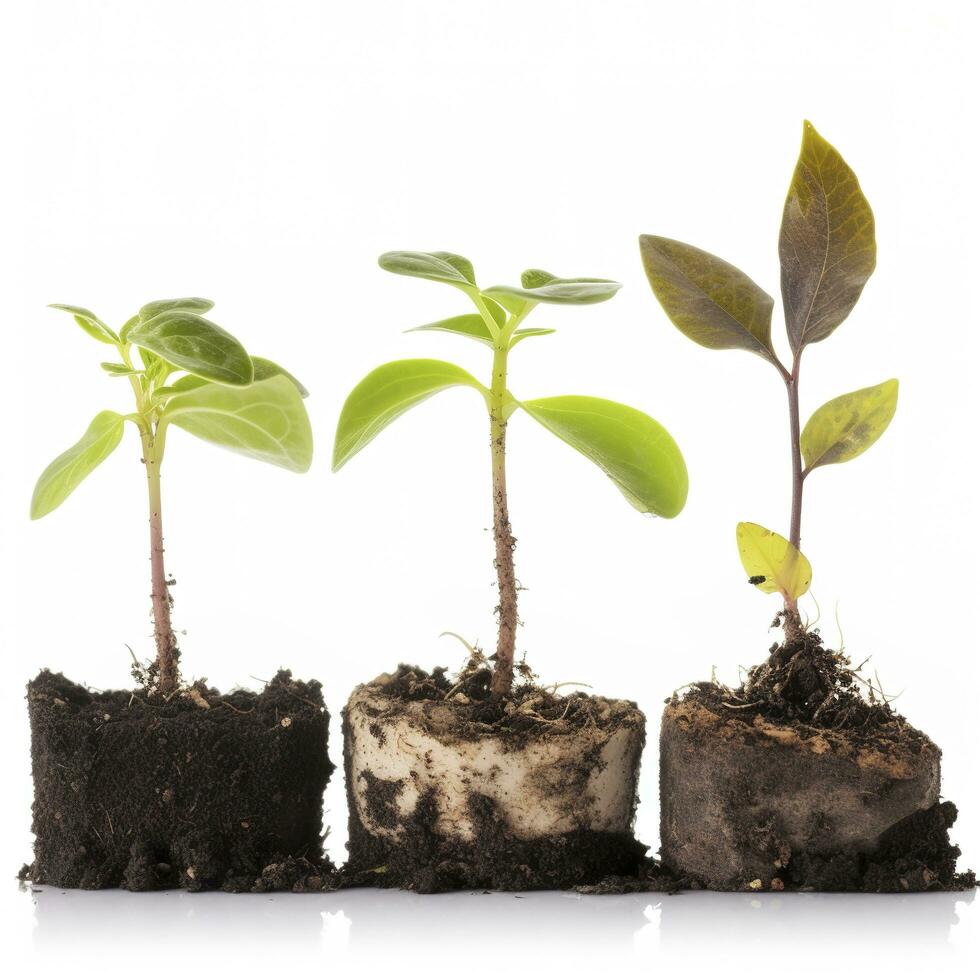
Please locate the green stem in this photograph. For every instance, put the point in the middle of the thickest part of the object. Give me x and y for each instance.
(504, 540)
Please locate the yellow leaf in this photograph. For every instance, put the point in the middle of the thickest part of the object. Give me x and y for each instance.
(771, 562)
(848, 425)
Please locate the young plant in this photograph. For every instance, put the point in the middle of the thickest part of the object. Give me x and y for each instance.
(826, 254)
(185, 371)
(634, 451)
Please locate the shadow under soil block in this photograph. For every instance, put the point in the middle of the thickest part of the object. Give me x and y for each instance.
(214, 791)
(449, 790)
(796, 781)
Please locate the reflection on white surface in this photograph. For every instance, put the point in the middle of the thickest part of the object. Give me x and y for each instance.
(366, 923)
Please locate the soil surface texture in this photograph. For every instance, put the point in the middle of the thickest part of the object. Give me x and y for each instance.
(802, 778)
(425, 860)
(202, 791)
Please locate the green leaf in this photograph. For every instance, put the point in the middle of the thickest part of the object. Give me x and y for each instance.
(437, 266)
(265, 420)
(264, 368)
(771, 562)
(633, 450)
(192, 304)
(470, 325)
(119, 370)
(525, 332)
(127, 326)
(89, 322)
(189, 382)
(385, 394)
(498, 313)
(156, 368)
(826, 243)
(194, 344)
(708, 300)
(538, 286)
(848, 425)
(58, 481)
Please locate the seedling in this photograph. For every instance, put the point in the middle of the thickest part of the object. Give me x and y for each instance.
(634, 451)
(827, 254)
(188, 372)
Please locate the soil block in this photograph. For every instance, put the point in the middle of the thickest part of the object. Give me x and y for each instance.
(200, 792)
(796, 780)
(448, 789)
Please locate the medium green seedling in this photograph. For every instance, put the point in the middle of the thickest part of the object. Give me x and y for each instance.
(185, 371)
(634, 451)
(827, 254)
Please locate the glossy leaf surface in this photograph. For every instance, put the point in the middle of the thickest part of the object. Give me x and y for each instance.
(194, 344)
(436, 266)
(538, 286)
(192, 304)
(710, 301)
(771, 562)
(848, 425)
(632, 449)
(826, 243)
(65, 473)
(386, 393)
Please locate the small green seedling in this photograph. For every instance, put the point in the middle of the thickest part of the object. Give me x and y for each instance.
(636, 452)
(827, 254)
(188, 372)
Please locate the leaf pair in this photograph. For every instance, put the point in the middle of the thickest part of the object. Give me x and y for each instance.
(634, 451)
(473, 325)
(826, 253)
(537, 286)
(266, 421)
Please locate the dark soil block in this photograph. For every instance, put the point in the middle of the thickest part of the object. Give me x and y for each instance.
(796, 781)
(449, 790)
(204, 791)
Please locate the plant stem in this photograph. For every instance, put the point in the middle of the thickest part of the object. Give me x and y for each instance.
(504, 540)
(796, 513)
(163, 634)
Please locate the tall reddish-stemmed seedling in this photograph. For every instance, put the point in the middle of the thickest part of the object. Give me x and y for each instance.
(186, 371)
(826, 254)
(636, 452)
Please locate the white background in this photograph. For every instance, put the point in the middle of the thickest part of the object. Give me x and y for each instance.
(264, 154)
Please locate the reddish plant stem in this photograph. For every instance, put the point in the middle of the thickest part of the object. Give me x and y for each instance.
(504, 540)
(163, 634)
(796, 511)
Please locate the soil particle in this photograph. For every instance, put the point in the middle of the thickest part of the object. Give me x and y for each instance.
(144, 793)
